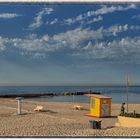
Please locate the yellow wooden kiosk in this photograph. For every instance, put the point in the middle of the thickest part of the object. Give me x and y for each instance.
(100, 106)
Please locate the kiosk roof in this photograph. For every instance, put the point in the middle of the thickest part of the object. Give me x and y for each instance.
(97, 96)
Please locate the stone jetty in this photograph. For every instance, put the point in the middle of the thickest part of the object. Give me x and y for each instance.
(31, 95)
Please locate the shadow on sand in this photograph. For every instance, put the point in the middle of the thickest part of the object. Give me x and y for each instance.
(49, 111)
(113, 116)
(109, 127)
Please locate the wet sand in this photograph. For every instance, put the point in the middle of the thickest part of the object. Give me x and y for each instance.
(58, 120)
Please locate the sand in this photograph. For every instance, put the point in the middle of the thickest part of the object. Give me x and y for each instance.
(58, 120)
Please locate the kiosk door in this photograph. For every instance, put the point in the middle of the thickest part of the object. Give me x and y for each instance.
(105, 110)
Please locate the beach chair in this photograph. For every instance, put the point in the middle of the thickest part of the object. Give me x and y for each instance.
(78, 107)
(39, 108)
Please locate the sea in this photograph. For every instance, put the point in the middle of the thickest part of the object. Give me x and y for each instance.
(117, 93)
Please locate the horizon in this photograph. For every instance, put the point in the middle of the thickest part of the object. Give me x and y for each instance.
(69, 85)
(95, 44)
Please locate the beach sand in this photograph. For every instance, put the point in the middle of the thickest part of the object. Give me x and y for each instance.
(58, 120)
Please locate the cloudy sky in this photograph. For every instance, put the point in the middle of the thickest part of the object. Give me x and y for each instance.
(69, 44)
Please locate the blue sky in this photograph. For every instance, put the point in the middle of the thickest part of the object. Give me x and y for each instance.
(95, 44)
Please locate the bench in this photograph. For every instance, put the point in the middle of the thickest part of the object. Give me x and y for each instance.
(39, 108)
(78, 107)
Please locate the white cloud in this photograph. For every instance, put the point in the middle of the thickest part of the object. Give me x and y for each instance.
(96, 19)
(82, 42)
(84, 18)
(117, 29)
(74, 38)
(109, 9)
(124, 49)
(38, 20)
(39, 55)
(54, 21)
(8, 15)
(3, 41)
(69, 21)
(48, 11)
(101, 11)
(71, 39)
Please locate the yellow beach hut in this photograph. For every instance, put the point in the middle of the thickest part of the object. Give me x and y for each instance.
(100, 106)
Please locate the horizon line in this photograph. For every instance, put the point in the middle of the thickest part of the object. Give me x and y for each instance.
(107, 85)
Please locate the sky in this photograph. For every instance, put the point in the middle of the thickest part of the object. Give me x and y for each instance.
(94, 44)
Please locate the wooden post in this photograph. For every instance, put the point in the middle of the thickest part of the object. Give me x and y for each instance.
(127, 88)
(127, 99)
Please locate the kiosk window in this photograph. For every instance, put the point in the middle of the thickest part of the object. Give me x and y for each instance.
(92, 103)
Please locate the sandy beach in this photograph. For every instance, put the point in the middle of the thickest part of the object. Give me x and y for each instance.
(58, 120)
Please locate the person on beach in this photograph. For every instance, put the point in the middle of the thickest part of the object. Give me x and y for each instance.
(122, 108)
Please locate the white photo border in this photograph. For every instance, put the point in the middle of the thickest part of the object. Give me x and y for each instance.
(70, 1)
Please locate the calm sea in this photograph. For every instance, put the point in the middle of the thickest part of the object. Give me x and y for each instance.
(117, 93)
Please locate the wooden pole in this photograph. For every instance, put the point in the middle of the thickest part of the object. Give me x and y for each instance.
(127, 99)
(127, 90)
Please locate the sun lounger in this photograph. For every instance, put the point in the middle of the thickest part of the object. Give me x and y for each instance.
(39, 108)
(78, 107)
